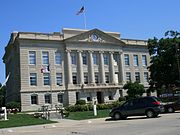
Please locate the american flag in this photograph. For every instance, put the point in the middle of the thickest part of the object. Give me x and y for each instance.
(80, 11)
(45, 69)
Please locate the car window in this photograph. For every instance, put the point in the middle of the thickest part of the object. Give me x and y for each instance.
(129, 103)
(157, 99)
(178, 101)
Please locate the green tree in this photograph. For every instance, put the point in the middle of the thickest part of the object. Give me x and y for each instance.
(2, 95)
(134, 89)
(164, 65)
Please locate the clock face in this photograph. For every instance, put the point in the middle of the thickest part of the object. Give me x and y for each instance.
(94, 37)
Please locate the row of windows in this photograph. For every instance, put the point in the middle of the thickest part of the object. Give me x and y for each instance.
(46, 79)
(58, 58)
(135, 60)
(89, 98)
(45, 58)
(47, 98)
(137, 77)
(59, 78)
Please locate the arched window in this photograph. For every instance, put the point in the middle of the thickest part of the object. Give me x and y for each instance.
(34, 99)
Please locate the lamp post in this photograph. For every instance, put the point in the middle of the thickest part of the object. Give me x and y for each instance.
(177, 57)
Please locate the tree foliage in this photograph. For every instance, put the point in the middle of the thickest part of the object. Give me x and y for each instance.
(165, 58)
(134, 89)
(2, 96)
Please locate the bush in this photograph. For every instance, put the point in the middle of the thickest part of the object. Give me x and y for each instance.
(13, 105)
(80, 102)
(89, 107)
(75, 108)
(122, 99)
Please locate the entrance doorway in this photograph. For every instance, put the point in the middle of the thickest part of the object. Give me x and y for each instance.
(99, 97)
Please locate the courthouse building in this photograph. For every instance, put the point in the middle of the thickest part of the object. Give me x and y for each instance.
(63, 67)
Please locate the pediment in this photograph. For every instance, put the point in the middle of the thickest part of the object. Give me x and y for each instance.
(94, 36)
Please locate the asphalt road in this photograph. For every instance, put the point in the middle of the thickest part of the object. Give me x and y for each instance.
(165, 124)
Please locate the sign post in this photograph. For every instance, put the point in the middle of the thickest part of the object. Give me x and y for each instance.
(94, 107)
(5, 113)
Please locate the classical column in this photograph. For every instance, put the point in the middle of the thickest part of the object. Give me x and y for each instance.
(101, 64)
(121, 69)
(91, 67)
(80, 68)
(111, 68)
(69, 70)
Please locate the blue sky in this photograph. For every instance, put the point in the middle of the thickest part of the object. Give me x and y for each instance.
(136, 19)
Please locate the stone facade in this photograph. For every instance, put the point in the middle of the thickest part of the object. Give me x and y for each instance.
(83, 64)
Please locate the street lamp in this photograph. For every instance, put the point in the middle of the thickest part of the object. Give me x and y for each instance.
(177, 57)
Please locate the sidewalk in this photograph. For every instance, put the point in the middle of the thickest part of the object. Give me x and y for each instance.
(64, 125)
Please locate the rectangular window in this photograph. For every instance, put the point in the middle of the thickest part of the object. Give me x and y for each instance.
(137, 76)
(135, 60)
(116, 58)
(33, 79)
(144, 60)
(85, 78)
(74, 77)
(58, 58)
(34, 99)
(146, 77)
(96, 78)
(73, 58)
(46, 77)
(47, 98)
(84, 58)
(107, 77)
(95, 59)
(59, 79)
(126, 59)
(45, 58)
(60, 98)
(128, 76)
(89, 99)
(106, 59)
(110, 95)
(32, 57)
(77, 96)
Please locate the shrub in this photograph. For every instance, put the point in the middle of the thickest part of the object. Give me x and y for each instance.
(89, 107)
(80, 102)
(122, 99)
(75, 108)
(13, 105)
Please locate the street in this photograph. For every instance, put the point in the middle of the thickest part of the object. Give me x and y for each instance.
(165, 124)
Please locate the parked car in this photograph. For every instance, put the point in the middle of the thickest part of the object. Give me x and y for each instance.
(172, 107)
(150, 106)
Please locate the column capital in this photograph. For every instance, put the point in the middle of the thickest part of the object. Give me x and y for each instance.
(101, 51)
(111, 52)
(68, 50)
(79, 51)
(90, 51)
(121, 52)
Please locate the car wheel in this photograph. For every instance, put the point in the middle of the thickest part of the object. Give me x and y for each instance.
(150, 114)
(117, 116)
(170, 110)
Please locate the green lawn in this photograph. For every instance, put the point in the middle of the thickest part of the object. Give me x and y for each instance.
(88, 115)
(16, 120)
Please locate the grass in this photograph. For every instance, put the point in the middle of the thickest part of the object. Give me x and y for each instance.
(17, 120)
(88, 115)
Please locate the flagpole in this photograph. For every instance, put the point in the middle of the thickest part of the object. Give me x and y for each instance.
(50, 87)
(84, 20)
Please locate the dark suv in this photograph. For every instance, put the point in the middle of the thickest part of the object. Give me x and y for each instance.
(149, 106)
